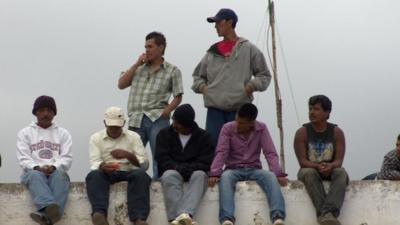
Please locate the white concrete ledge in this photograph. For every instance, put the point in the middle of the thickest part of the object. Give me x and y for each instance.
(366, 203)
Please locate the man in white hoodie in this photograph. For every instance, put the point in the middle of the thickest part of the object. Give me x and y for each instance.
(44, 153)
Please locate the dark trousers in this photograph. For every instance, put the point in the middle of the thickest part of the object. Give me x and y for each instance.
(325, 202)
(98, 189)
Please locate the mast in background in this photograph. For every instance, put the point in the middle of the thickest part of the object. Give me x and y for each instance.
(278, 98)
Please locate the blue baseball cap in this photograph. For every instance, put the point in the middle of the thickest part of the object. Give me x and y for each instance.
(224, 14)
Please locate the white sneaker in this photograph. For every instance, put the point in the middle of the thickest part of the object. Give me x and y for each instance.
(227, 222)
(184, 219)
(174, 222)
(279, 222)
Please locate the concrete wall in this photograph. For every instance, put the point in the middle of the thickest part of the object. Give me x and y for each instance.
(366, 203)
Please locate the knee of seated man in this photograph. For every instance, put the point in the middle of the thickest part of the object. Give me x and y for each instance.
(307, 173)
(60, 174)
(170, 175)
(340, 173)
(227, 174)
(33, 174)
(198, 174)
(138, 174)
(94, 173)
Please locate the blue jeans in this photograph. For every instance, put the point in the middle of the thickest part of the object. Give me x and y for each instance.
(216, 118)
(268, 183)
(44, 190)
(98, 191)
(148, 131)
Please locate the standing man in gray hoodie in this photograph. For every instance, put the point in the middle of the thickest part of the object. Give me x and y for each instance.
(229, 73)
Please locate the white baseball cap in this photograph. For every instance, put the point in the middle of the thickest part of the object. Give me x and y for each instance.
(114, 116)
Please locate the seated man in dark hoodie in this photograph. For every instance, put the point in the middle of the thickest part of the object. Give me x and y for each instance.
(184, 153)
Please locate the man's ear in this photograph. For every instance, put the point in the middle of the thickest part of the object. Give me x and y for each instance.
(162, 48)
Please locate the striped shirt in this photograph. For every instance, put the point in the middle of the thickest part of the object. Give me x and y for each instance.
(150, 92)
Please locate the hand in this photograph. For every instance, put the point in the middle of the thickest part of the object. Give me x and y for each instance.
(166, 113)
(119, 154)
(212, 181)
(325, 169)
(141, 60)
(108, 168)
(204, 89)
(47, 170)
(249, 90)
(283, 181)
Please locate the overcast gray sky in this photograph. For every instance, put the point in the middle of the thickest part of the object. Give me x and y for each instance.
(75, 50)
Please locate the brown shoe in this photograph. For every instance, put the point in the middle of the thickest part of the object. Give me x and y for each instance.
(140, 222)
(99, 219)
(52, 212)
(40, 218)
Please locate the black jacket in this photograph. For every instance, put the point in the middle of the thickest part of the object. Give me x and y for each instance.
(197, 154)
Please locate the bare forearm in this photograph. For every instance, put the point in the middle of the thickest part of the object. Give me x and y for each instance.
(308, 164)
(126, 79)
(175, 102)
(133, 159)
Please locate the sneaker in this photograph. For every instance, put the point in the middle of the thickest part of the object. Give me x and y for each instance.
(174, 222)
(278, 221)
(227, 222)
(40, 218)
(99, 218)
(52, 212)
(328, 219)
(184, 219)
(140, 222)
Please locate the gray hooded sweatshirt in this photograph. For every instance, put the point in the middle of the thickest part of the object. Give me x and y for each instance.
(227, 77)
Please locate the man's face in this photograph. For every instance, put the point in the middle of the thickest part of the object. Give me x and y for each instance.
(44, 117)
(153, 51)
(223, 27)
(114, 131)
(244, 125)
(317, 114)
(179, 128)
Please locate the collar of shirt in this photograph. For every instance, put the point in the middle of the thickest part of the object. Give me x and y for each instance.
(257, 127)
(163, 65)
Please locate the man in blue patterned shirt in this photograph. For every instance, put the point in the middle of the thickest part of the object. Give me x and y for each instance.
(390, 169)
(152, 81)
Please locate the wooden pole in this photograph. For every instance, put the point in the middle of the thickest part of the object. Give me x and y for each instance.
(278, 98)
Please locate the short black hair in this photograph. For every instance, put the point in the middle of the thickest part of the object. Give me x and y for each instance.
(398, 137)
(159, 38)
(324, 101)
(248, 111)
